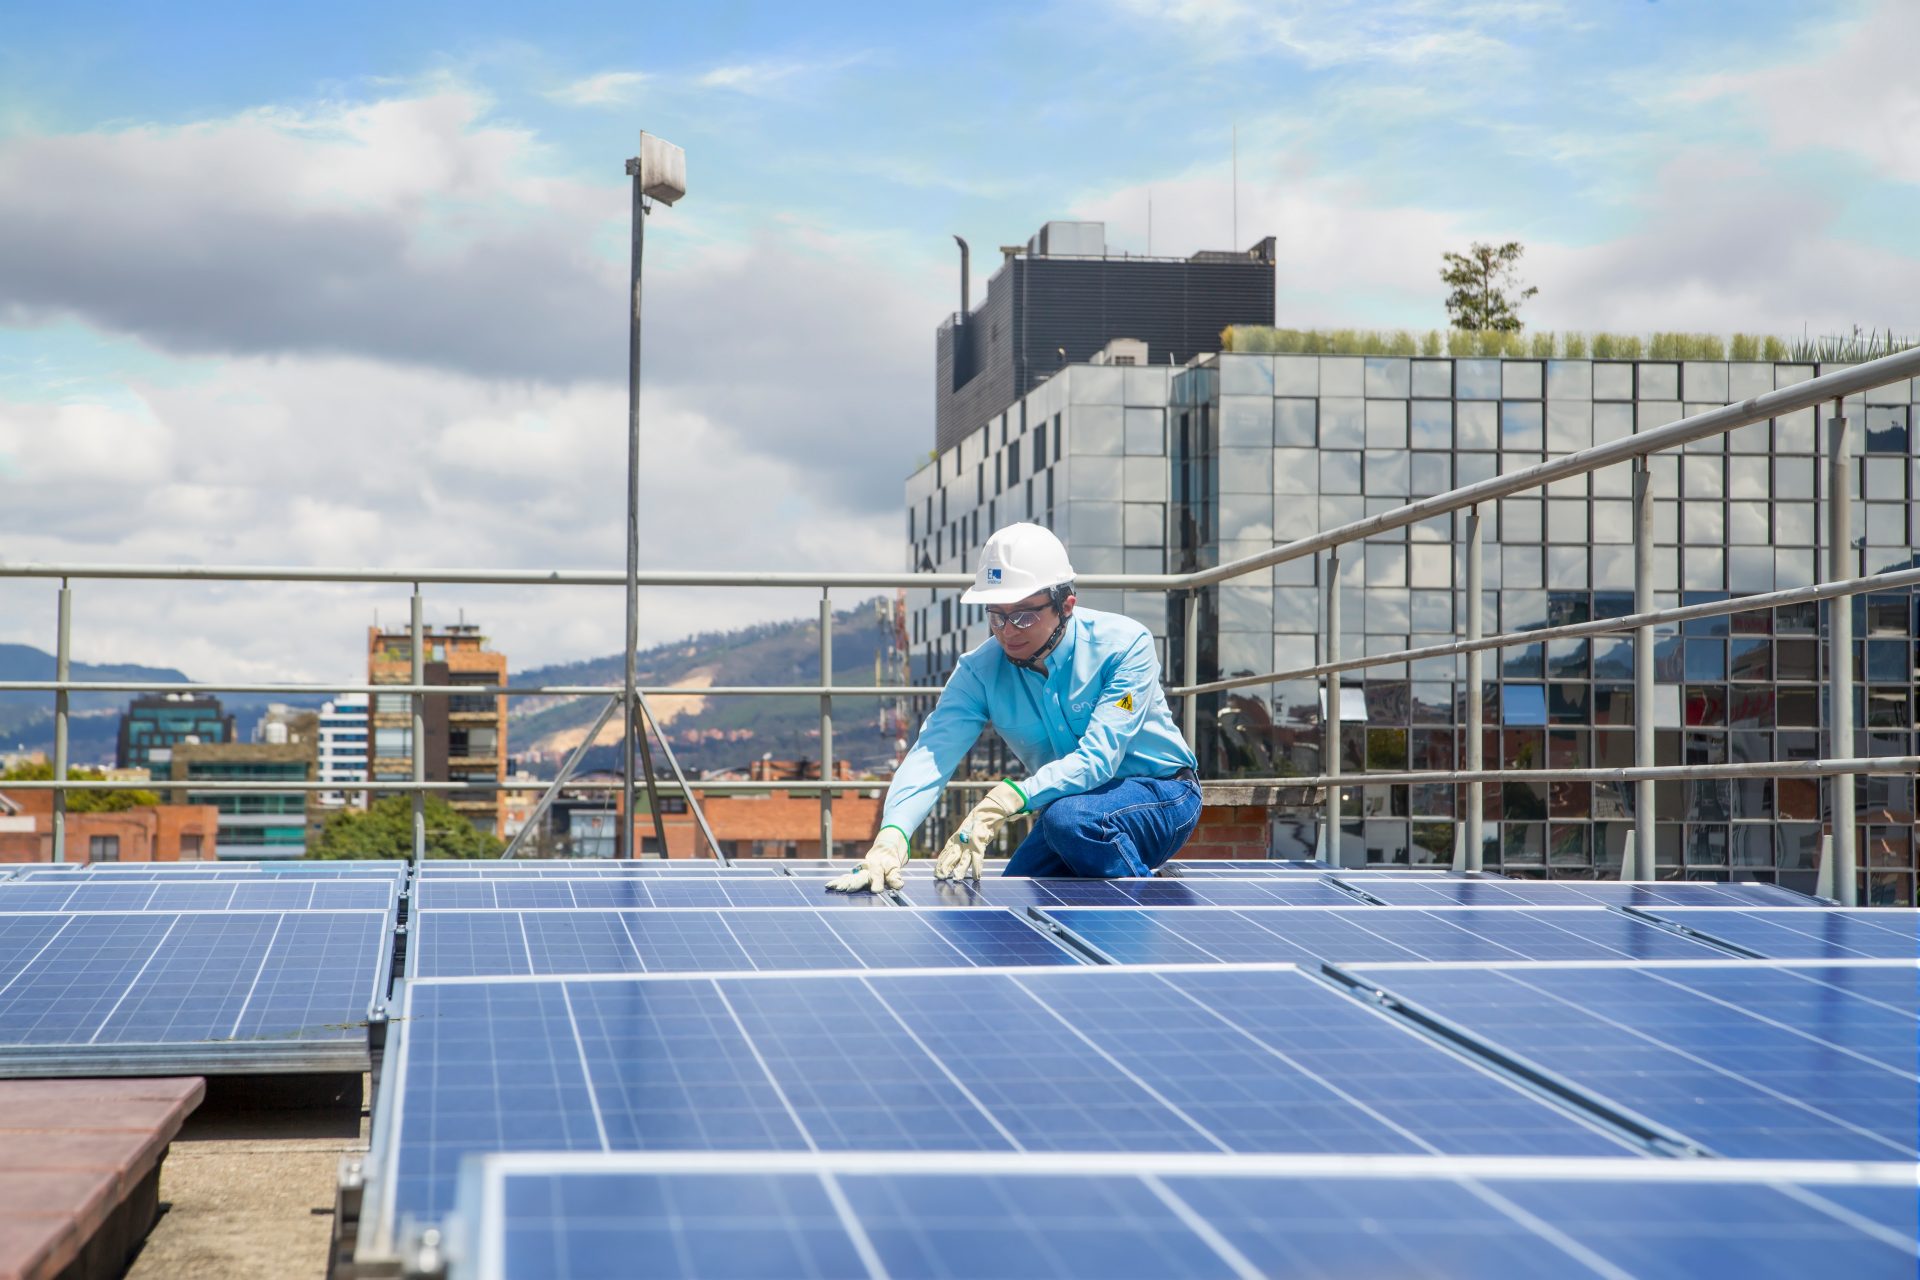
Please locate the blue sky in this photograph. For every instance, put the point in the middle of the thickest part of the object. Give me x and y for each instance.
(247, 253)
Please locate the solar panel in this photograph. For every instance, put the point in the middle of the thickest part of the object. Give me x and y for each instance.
(289, 870)
(197, 893)
(115, 993)
(1184, 865)
(1253, 935)
(1744, 1058)
(677, 1215)
(1802, 933)
(519, 893)
(1606, 893)
(257, 866)
(1211, 891)
(586, 867)
(560, 943)
(1075, 1058)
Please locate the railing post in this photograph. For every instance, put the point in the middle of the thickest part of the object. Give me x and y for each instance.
(417, 630)
(1190, 672)
(1643, 751)
(62, 672)
(1840, 654)
(1332, 725)
(1476, 849)
(826, 722)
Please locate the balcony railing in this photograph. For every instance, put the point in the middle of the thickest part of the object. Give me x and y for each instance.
(1838, 581)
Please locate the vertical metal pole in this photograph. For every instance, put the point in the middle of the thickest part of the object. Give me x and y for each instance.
(826, 721)
(635, 736)
(62, 671)
(1332, 725)
(1840, 564)
(1190, 672)
(1476, 850)
(417, 628)
(1643, 753)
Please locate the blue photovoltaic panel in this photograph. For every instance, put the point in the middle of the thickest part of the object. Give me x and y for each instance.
(1254, 935)
(1210, 891)
(523, 892)
(1183, 865)
(1746, 1059)
(561, 943)
(1818, 933)
(199, 893)
(293, 867)
(1494, 1227)
(585, 868)
(1063, 1059)
(189, 978)
(1606, 893)
(570, 1219)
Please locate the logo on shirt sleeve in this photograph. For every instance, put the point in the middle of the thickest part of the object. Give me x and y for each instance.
(1125, 703)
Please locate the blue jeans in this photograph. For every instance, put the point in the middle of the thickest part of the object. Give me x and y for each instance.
(1126, 827)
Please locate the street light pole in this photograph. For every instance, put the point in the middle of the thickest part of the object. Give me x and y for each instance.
(659, 172)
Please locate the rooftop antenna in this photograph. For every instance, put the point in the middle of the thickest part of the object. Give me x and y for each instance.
(1236, 186)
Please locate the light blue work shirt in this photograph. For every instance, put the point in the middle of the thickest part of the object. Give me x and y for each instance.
(1098, 714)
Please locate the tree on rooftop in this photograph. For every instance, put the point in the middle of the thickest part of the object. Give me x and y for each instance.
(1486, 287)
(83, 801)
(385, 830)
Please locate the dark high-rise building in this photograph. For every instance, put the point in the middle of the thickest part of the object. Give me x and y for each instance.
(154, 724)
(1061, 297)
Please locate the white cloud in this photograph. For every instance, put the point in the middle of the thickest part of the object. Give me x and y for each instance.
(768, 78)
(607, 89)
(366, 465)
(1860, 96)
(1719, 243)
(1322, 33)
(410, 229)
(400, 347)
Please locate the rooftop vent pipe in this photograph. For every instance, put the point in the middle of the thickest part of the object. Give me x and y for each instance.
(965, 278)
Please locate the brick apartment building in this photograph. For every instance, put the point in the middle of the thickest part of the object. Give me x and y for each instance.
(465, 734)
(777, 825)
(144, 833)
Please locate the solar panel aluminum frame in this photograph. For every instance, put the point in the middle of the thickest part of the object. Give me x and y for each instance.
(410, 970)
(226, 1057)
(473, 1245)
(394, 888)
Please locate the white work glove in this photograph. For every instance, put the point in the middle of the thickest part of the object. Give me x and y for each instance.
(880, 869)
(965, 852)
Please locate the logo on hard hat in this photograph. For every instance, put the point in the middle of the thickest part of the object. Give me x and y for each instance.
(993, 575)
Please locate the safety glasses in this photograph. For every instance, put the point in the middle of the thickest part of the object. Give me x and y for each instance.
(1019, 620)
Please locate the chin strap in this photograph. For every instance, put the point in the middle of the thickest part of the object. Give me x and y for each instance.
(1033, 663)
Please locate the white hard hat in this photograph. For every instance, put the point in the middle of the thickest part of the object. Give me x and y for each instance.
(1018, 561)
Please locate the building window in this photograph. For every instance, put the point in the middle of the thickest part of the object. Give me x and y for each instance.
(393, 704)
(392, 743)
(103, 848)
(190, 847)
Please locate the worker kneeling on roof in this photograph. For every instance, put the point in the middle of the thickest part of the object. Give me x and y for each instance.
(1076, 694)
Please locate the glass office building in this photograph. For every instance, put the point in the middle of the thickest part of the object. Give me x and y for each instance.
(1154, 469)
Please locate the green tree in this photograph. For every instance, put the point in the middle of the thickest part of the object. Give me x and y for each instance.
(83, 801)
(385, 830)
(1487, 291)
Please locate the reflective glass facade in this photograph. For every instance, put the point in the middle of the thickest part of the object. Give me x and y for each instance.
(1246, 452)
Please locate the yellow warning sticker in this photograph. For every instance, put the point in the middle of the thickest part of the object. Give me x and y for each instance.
(1125, 703)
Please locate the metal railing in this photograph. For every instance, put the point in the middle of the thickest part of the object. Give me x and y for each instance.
(1840, 581)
